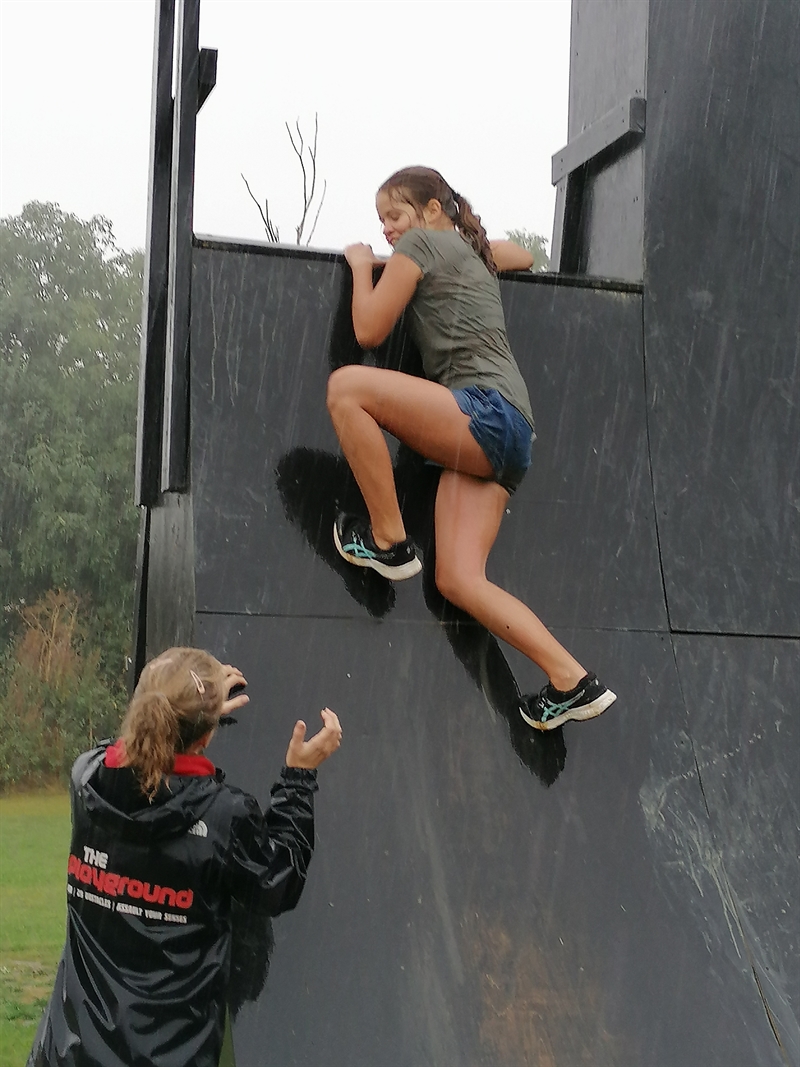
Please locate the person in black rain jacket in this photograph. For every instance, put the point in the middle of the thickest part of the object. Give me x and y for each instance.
(161, 845)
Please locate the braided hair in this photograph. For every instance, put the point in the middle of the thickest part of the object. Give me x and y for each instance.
(418, 185)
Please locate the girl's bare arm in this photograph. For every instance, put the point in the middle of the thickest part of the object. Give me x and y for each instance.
(510, 256)
(376, 309)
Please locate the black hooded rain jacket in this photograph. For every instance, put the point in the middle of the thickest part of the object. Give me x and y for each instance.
(143, 975)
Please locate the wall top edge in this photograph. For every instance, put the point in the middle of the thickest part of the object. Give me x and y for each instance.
(321, 255)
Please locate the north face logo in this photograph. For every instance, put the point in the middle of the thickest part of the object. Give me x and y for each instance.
(199, 829)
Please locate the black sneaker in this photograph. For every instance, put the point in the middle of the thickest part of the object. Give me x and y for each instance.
(552, 707)
(353, 540)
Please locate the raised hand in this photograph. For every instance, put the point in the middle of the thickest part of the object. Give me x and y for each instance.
(309, 754)
(358, 254)
(234, 677)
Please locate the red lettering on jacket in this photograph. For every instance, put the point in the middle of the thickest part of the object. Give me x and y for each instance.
(115, 885)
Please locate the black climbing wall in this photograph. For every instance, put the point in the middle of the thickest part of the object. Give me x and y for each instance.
(622, 892)
(608, 59)
(721, 310)
(481, 893)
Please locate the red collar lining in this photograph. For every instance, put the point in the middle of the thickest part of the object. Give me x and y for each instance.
(183, 765)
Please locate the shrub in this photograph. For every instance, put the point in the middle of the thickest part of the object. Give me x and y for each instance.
(54, 702)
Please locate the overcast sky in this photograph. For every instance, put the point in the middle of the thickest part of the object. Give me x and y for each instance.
(475, 88)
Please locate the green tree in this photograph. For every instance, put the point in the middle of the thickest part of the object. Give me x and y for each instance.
(535, 244)
(70, 308)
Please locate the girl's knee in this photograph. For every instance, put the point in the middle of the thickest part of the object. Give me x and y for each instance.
(337, 386)
(454, 584)
(342, 385)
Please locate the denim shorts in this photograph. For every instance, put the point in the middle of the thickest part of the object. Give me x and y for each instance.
(501, 430)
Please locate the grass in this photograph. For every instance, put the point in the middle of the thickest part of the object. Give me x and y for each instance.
(34, 844)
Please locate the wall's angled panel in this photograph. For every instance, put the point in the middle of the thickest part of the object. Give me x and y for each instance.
(742, 697)
(580, 351)
(265, 336)
(264, 341)
(457, 911)
(722, 314)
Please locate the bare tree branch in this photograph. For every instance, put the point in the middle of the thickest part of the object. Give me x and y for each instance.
(299, 153)
(316, 217)
(308, 169)
(313, 153)
(272, 230)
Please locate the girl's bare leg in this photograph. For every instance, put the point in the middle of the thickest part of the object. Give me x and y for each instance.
(468, 515)
(426, 417)
(421, 414)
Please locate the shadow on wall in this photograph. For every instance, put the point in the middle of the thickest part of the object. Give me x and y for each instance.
(314, 486)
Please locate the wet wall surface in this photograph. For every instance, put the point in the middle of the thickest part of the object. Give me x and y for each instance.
(608, 66)
(580, 350)
(170, 580)
(721, 312)
(481, 893)
(458, 909)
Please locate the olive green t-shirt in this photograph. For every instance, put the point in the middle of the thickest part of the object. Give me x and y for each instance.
(456, 317)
